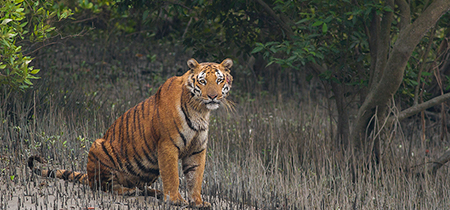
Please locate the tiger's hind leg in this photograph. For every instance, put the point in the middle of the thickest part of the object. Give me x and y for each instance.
(104, 178)
(145, 191)
(102, 168)
(152, 193)
(108, 181)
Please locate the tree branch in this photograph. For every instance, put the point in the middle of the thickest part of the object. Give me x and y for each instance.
(383, 42)
(440, 162)
(372, 35)
(421, 66)
(317, 69)
(418, 108)
(287, 29)
(405, 14)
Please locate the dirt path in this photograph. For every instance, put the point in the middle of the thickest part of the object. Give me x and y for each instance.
(35, 193)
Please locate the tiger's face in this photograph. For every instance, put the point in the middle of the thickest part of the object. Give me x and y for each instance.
(210, 82)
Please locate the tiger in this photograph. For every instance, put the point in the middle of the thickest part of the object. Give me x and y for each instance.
(149, 139)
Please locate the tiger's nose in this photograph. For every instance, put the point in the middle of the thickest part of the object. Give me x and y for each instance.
(212, 96)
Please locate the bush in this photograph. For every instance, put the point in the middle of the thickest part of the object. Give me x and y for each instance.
(22, 23)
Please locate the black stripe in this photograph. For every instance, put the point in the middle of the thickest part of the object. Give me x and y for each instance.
(198, 152)
(138, 162)
(175, 144)
(181, 134)
(171, 80)
(154, 171)
(145, 169)
(147, 147)
(138, 121)
(120, 134)
(192, 168)
(150, 159)
(130, 168)
(128, 163)
(137, 158)
(197, 89)
(154, 132)
(128, 140)
(146, 143)
(66, 175)
(150, 179)
(51, 173)
(186, 117)
(112, 137)
(158, 95)
(142, 108)
(135, 121)
(78, 177)
(107, 154)
(143, 136)
(98, 160)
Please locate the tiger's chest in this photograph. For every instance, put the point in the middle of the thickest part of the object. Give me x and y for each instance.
(192, 132)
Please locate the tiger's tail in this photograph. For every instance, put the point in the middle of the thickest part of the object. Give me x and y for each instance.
(68, 175)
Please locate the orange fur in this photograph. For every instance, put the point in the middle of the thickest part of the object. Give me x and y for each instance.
(148, 140)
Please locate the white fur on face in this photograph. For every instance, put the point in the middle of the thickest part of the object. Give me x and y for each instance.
(195, 87)
(212, 106)
(225, 89)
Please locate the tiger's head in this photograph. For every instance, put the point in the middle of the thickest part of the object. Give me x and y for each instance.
(210, 82)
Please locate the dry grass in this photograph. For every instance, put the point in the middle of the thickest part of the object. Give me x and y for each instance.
(264, 155)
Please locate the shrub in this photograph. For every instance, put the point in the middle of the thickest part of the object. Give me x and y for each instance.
(22, 23)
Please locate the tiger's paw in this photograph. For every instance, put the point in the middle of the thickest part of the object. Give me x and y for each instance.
(177, 200)
(200, 205)
(181, 202)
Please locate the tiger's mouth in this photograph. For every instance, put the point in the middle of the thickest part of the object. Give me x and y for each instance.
(212, 104)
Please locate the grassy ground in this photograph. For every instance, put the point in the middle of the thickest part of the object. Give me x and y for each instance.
(267, 154)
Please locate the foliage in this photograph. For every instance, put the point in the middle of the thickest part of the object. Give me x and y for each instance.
(326, 32)
(22, 23)
(349, 45)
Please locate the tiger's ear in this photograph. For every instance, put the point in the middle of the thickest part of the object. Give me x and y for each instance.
(227, 64)
(192, 63)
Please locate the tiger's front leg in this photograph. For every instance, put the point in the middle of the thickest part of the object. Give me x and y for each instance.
(193, 168)
(168, 167)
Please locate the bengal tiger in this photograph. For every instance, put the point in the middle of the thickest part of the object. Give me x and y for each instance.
(147, 141)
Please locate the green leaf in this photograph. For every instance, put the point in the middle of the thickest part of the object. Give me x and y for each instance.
(317, 23)
(270, 63)
(6, 21)
(413, 82)
(388, 9)
(270, 43)
(23, 24)
(257, 49)
(301, 21)
(27, 81)
(324, 28)
(35, 71)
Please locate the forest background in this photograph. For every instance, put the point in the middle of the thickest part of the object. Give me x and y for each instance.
(338, 104)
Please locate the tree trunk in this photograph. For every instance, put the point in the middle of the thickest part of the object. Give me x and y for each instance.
(383, 89)
(343, 125)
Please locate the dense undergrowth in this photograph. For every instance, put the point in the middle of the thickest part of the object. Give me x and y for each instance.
(267, 153)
